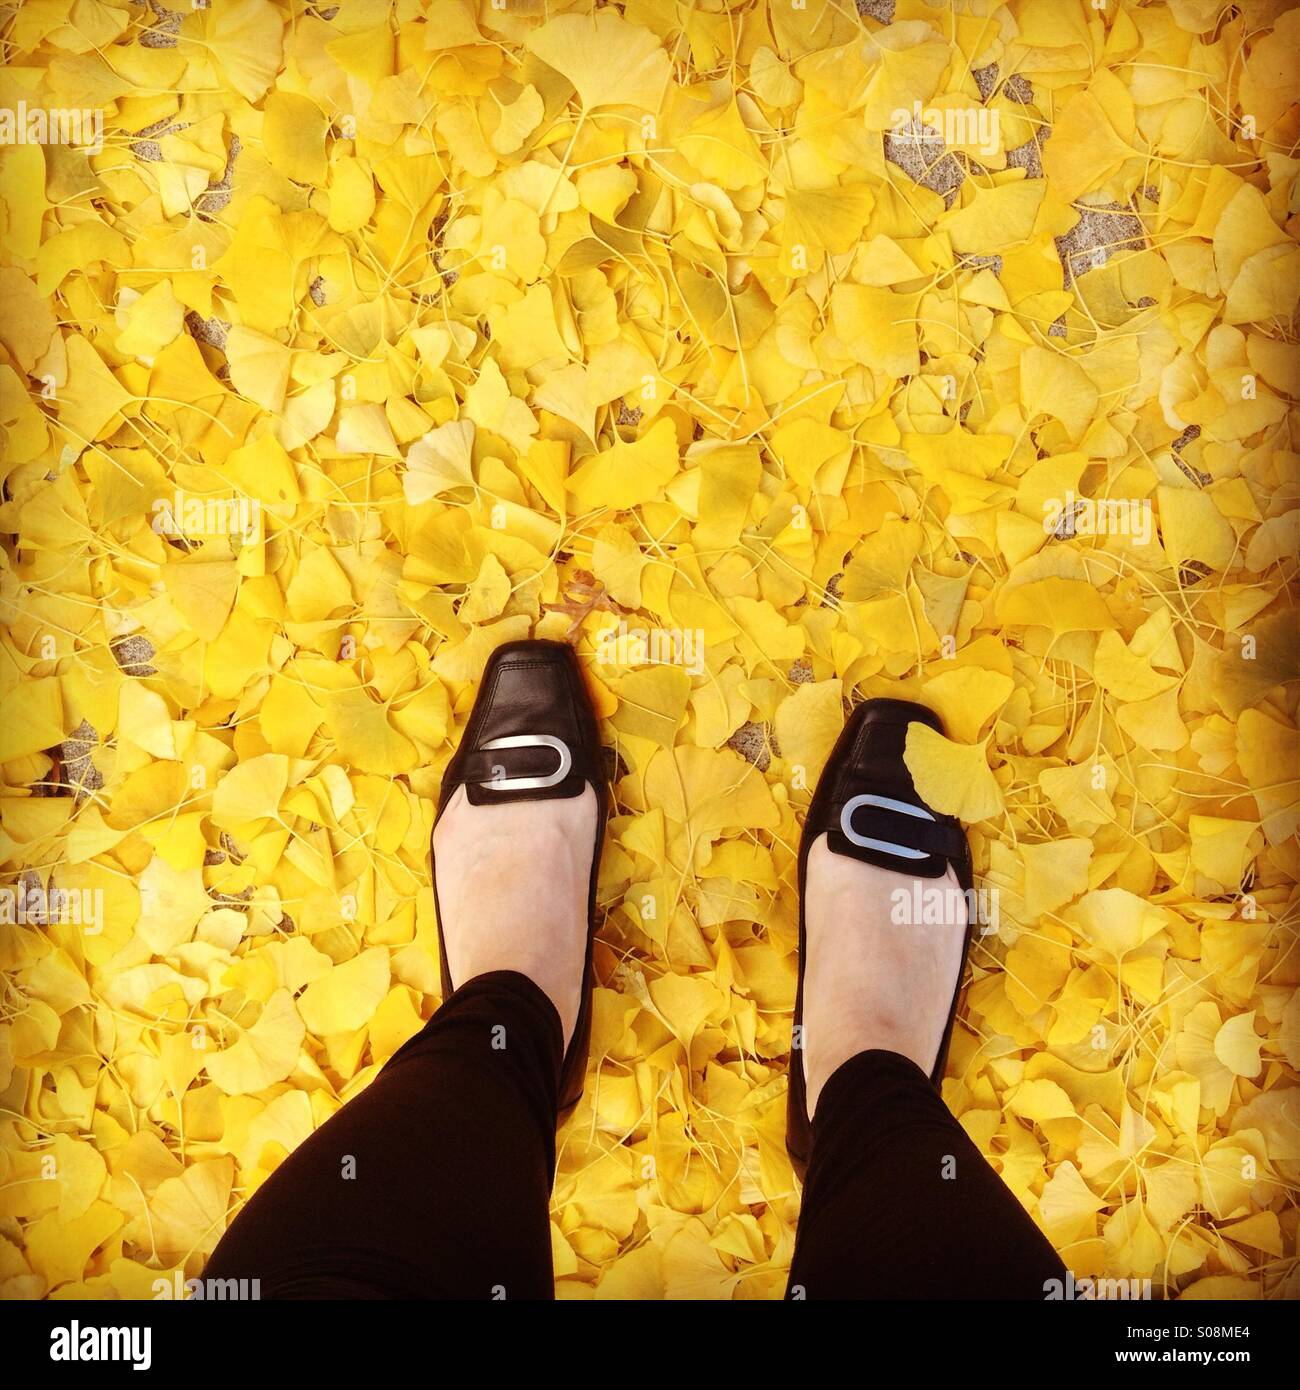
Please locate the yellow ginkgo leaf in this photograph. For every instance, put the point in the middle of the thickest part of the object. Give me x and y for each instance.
(1068, 1206)
(967, 698)
(817, 220)
(1124, 673)
(685, 1002)
(1041, 1101)
(263, 1054)
(346, 997)
(1054, 384)
(293, 134)
(951, 778)
(1056, 872)
(250, 792)
(610, 61)
(807, 724)
(59, 1249)
(89, 405)
(1237, 1045)
(651, 703)
(203, 592)
(80, 1171)
(995, 218)
(171, 902)
(1087, 147)
(1116, 920)
(617, 561)
(363, 735)
(1220, 848)
(365, 429)
(713, 790)
(187, 1213)
(152, 321)
(1064, 605)
(259, 366)
(1192, 528)
(625, 475)
(144, 719)
(239, 40)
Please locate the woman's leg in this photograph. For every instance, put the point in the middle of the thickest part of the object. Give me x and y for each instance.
(899, 1203)
(434, 1181)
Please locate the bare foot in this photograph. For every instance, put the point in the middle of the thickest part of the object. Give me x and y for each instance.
(870, 979)
(513, 880)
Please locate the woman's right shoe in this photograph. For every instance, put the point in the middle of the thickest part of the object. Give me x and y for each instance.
(868, 808)
(532, 736)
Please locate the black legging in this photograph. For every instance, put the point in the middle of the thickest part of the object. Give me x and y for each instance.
(434, 1182)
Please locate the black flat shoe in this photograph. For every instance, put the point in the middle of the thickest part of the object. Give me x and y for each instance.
(867, 807)
(532, 736)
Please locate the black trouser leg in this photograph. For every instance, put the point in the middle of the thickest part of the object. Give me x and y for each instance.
(434, 1182)
(900, 1204)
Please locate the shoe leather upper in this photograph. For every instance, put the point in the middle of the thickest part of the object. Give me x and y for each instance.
(528, 688)
(868, 761)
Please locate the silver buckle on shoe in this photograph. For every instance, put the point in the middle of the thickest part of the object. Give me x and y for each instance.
(520, 784)
(885, 803)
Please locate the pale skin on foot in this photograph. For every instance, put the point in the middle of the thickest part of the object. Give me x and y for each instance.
(512, 882)
(870, 982)
(512, 889)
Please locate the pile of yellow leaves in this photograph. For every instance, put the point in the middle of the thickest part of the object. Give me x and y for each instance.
(937, 351)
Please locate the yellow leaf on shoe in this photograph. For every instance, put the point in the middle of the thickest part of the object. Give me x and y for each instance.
(951, 778)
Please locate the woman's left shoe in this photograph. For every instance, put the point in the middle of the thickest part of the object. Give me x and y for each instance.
(868, 808)
(532, 736)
